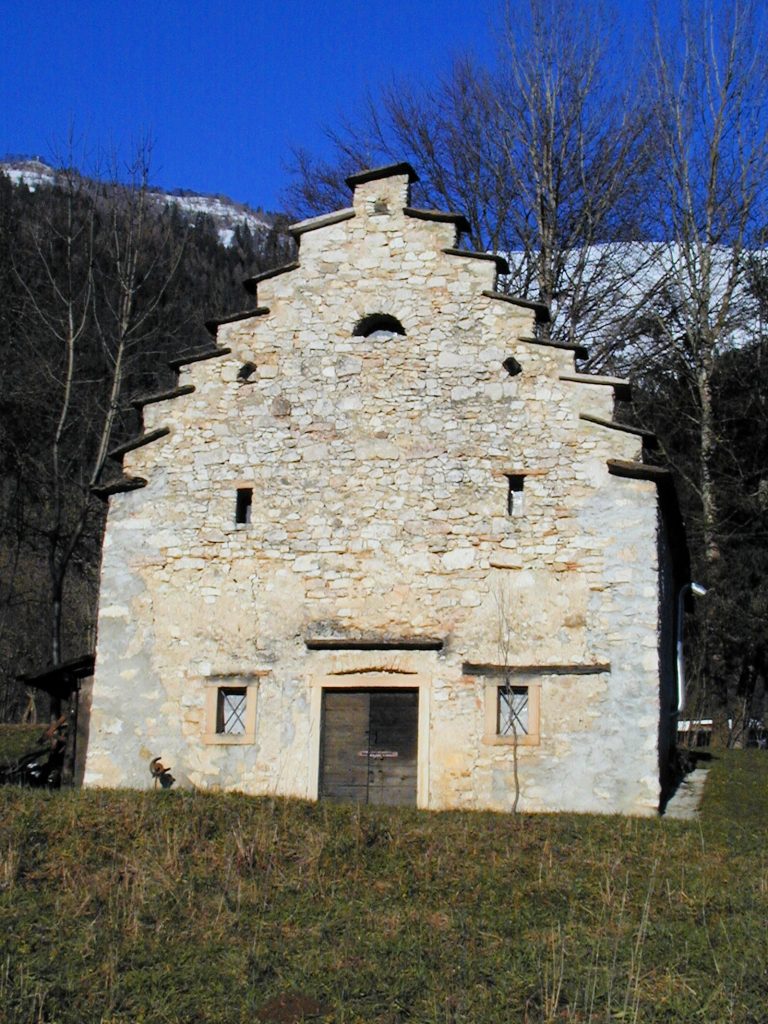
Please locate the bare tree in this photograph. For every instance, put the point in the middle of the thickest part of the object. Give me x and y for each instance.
(543, 154)
(64, 247)
(102, 264)
(440, 129)
(709, 106)
(709, 102)
(508, 702)
(567, 139)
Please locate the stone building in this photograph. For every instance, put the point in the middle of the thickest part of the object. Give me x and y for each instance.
(387, 545)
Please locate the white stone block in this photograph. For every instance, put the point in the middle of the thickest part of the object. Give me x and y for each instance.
(458, 558)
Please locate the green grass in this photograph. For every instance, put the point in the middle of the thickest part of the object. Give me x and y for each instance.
(165, 907)
(16, 740)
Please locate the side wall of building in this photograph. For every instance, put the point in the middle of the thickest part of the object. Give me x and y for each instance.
(669, 585)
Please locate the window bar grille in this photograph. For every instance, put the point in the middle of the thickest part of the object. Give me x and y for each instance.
(233, 711)
(513, 710)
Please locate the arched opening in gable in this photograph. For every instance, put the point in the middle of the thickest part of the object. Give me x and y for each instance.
(378, 324)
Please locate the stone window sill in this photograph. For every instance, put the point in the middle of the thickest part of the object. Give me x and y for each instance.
(225, 740)
(508, 741)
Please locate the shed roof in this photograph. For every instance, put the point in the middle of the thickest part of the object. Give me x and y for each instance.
(60, 680)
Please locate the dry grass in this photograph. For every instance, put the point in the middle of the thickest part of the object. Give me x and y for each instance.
(160, 907)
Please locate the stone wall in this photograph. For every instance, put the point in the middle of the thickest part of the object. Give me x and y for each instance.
(379, 469)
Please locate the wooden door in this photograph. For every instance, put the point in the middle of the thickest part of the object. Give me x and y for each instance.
(369, 748)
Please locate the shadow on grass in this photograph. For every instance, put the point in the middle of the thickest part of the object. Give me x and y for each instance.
(684, 762)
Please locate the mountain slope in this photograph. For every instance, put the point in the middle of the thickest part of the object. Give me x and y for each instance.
(226, 214)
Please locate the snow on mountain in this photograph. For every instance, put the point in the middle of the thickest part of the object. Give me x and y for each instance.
(31, 173)
(226, 213)
(616, 296)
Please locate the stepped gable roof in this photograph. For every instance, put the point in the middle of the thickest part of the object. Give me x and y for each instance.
(251, 283)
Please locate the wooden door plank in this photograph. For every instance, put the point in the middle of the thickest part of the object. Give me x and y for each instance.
(369, 749)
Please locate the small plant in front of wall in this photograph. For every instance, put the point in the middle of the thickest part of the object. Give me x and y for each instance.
(507, 690)
(160, 774)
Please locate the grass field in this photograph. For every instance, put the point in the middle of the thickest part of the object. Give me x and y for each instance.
(170, 906)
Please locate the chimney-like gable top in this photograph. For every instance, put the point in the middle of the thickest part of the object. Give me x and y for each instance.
(374, 173)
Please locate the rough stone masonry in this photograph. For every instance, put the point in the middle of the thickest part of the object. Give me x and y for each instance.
(386, 480)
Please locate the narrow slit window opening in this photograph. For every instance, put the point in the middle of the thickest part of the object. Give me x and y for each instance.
(243, 504)
(230, 710)
(245, 372)
(515, 501)
(512, 711)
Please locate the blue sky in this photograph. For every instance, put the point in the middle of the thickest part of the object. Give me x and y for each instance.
(224, 89)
